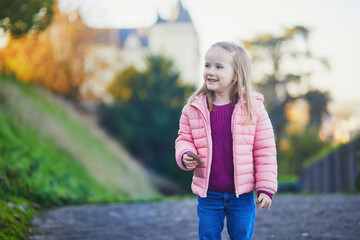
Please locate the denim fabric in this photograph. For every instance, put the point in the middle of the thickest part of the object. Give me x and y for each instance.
(239, 213)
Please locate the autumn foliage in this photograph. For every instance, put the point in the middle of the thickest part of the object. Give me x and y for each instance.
(53, 58)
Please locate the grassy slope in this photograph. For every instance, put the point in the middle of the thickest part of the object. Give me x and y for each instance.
(51, 119)
(35, 171)
(48, 156)
(43, 173)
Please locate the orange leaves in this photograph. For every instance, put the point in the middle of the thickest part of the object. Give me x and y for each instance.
(31, 59)
(53, 58)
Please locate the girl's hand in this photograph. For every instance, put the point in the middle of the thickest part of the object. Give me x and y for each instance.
(189, 162)
(265, 200)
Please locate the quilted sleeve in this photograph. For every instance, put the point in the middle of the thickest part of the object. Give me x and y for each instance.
(184, 142)
(264, 153)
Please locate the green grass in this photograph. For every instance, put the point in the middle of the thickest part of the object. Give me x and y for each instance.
(53, 120)
(48, 157)
(14, 219)
(36, 171)
(283, 179)
(43, 173)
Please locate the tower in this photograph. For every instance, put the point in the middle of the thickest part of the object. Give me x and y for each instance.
(176, 38)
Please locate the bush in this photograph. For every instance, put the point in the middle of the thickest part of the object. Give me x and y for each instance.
(145, 115)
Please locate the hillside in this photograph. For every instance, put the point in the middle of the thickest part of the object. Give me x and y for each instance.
(52, 119)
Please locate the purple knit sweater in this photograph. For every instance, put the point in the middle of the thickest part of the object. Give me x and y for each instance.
(222, 167)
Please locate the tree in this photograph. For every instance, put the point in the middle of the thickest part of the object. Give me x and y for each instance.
(145, 114)
(318, 105)
(53, 58)
(19, 17)
(283, 64)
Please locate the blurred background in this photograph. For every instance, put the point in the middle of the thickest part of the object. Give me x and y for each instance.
(91, 93)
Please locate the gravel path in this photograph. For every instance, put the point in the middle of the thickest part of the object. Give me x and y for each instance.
(291, 217)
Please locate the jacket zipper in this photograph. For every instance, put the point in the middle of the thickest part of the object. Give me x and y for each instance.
(209, 141)
(233, 134)
(210, 160)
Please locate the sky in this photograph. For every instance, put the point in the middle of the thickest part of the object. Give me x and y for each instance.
(334, 25)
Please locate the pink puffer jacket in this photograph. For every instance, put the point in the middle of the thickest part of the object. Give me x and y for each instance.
(254, 150)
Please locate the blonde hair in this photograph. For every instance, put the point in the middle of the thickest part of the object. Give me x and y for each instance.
(242, 87)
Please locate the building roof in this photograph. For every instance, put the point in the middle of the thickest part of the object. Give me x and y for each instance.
(183, 14)
(126, 32)
(179, 14)
(159, 19)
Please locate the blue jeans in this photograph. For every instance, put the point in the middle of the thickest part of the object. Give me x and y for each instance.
(239, 212)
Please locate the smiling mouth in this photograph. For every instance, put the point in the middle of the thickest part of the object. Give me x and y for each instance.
(212, 80)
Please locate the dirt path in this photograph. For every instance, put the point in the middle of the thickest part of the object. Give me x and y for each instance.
(291, 217)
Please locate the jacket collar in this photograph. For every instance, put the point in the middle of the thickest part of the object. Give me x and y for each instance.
(201, 103)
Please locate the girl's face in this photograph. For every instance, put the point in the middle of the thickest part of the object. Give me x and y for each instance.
(218, 72)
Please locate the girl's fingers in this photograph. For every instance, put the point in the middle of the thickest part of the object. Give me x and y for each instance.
(190, 164)
(262, 204)
(186, 157)
(265, 201)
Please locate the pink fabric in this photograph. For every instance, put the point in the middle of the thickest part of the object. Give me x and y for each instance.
(254, 148)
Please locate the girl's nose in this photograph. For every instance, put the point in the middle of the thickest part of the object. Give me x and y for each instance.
(210, 73)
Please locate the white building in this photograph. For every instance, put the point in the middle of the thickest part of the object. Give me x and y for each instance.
(174, 38)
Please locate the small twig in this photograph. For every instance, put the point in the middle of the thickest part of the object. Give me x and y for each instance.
(197, 158)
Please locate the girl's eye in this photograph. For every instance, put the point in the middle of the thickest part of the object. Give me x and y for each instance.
(207, 65)
(219, 67)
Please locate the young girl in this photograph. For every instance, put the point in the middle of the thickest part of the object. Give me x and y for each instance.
(226, 136)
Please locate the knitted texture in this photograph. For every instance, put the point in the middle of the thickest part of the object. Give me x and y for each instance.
(222, 167)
